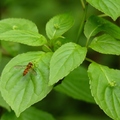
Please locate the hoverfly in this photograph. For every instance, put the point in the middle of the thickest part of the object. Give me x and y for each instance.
(27, 68)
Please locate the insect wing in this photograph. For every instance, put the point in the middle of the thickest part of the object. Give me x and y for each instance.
(33, 71)
(20, 66)
(25, 71)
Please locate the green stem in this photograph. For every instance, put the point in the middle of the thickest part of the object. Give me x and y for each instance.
(83, 4)
(102, 15)
(83, 20)
(87, 42)
(89, 60)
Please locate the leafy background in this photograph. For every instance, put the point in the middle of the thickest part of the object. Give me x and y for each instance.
(62, 107)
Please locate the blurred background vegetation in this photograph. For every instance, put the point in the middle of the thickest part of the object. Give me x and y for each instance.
(59, 105)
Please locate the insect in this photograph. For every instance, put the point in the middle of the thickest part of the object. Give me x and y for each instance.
(27, 68)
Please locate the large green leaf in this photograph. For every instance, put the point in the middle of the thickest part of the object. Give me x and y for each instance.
(105, 87)
(21, 31)
(19, 91)
(17, 24)
(76, 85)
(106, 44)
(65, 59)
(30, 114)
(109, 7)
(24, 37)
(58, 25)
(96, 24)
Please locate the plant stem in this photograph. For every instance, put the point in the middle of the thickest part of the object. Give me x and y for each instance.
(85, 6)
(102, 15)
(89, 60)
(87, 42)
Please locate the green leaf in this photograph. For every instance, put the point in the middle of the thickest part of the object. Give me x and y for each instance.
(24, 37)
(21, 31)
(105, 87)
(30, 114)
(76, 85)
(58, 25)
(3, 103)
(19, 91)
(17, 24)
(96, 24)
(109, 7)
(65, 59)
(106, 44)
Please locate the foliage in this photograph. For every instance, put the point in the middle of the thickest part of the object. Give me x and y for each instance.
(29, 77)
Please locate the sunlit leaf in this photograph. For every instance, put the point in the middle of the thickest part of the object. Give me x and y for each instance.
(17, 24)
(19, 91)
(24, 37)
(109, 7)
(106, 44)
(105, 87)
(65, 59)
(58, 25)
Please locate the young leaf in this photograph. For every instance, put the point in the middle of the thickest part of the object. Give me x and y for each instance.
(30, 114)
(58, 25)
(24, 37)
(17, 24)
(20, 90)
(65, 59)
(96, 24)
(76, 85)
(105, 87)
(106, 44)
(109, 7)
